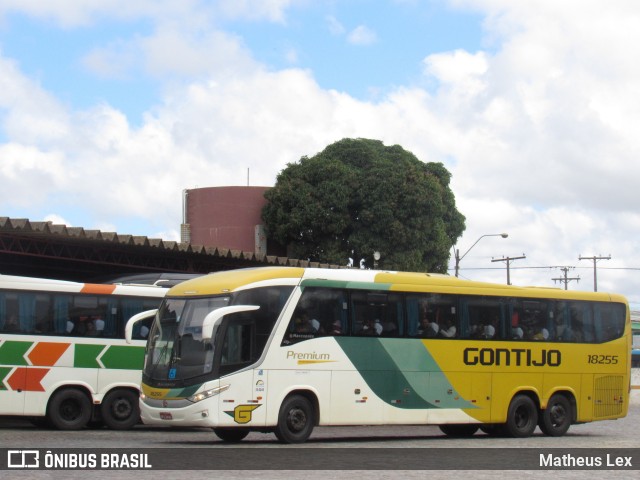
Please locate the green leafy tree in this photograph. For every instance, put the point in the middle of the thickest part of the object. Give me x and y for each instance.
(358, 196)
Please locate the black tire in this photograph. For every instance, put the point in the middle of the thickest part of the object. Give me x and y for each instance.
(557, 417)
(69, 409)
(120, 409)
(295, 421)
(522, 417)
(459, 430)
(231, 435)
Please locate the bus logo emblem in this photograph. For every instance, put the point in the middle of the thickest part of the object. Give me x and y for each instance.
(242, 413)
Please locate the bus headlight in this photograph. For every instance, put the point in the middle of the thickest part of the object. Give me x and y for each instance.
(212, 392)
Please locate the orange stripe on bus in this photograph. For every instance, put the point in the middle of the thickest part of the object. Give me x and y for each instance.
(46, 354)
(27, 379)
(98, 289)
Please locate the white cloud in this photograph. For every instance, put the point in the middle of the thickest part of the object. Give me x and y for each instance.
(538, 131)
(27, 169)
(73, 14)
(460, 74)
(273, 10)
(171, 52)
(362, 36)
(57, 220)
(335, 27)
(32, 115)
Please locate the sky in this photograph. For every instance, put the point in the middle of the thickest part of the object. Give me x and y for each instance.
(109, 109)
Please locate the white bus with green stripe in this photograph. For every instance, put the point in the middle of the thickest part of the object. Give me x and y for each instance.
(286, 349)
(63, 358)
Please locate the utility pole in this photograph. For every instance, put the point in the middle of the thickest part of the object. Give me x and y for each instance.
(595, 272)
(565, 279)
(508, 261)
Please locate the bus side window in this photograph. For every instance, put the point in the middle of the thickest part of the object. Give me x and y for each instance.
(608, 321)
(484, 318)
(362, 321)
(320, 311)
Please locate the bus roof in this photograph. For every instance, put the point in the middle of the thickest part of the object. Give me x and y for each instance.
(233, 280)
(12, 282)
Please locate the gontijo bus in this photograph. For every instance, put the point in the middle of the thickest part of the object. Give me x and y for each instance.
(285, 349)
(63, 358)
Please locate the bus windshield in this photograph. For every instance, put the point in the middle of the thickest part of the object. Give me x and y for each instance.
(177, 354)
(176, 339)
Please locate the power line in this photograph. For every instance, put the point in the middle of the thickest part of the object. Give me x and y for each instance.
(529, 267)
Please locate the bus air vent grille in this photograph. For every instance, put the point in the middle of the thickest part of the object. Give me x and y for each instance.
(608, 395)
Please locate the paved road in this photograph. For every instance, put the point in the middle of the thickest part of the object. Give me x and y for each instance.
(19, 434)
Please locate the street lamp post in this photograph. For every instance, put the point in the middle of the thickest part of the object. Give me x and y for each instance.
(459, 257)
(376, 258)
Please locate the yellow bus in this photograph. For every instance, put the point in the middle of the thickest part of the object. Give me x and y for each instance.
(286, 349)
(63, 358)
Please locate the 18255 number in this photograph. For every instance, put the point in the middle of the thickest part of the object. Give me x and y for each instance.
(602, 359)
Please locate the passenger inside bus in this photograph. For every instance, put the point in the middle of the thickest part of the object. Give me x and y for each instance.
(306, 324)
(543, 334)
(335, 328)
(390, 329)
(11, 325)
(91, 329)
(448, 330)
(370, 328)
(427, 328)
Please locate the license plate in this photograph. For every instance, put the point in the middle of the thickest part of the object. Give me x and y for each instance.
(166, 416)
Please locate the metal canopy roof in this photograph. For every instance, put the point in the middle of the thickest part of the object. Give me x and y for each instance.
(44, 249)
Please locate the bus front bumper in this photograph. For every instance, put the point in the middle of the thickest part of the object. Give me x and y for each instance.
(201, 414)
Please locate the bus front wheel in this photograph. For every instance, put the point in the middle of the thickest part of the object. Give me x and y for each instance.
(295, 421)
(556, 418)
(120, 409)
(69, 409)
(522, 417)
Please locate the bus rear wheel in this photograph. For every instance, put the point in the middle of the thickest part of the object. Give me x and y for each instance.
(459, 430)
(231, 435)
(295, 421)
(522, 417)
(120, 409)
(557, 417)
(69, 409)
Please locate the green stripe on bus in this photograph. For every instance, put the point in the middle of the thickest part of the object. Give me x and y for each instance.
(420, 383)
(123, 357)
(12, 353)
(86, 355)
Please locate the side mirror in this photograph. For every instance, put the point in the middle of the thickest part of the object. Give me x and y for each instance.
(128, 329)
(213, 318)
